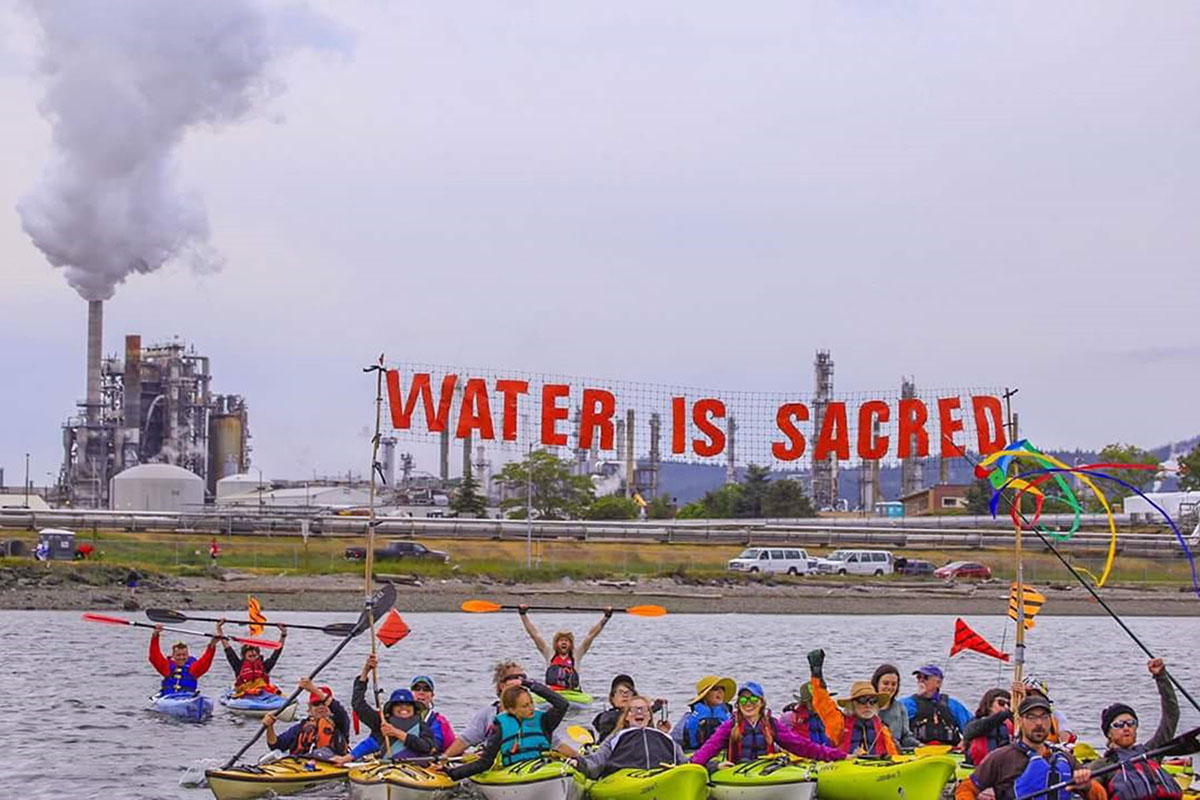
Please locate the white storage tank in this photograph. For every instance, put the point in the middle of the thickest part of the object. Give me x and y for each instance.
(242, 483)
(157, 487)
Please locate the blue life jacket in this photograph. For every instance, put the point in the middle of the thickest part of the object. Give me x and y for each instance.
(1042, 773)
(753, 743)
(521, 739)
(399, 751)
(701, 723)
(180, 679)
(1143, 779)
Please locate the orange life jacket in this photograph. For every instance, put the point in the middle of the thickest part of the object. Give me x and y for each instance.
(314, 734)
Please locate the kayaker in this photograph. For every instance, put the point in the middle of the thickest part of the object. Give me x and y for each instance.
(620, 692)
(991, 728)
(706, 711)
(437, 725)
(504, 675)
(801, 717)
(886, 680)
(520, 732)
(1060, 732)
(562, 659)
(182, 672)
(324, 733)
(251, 672)
(752, 733)
(402, 722)
(636, 744)
(1144, 778)
(853, 722)
(935, 718)
(1030, 763)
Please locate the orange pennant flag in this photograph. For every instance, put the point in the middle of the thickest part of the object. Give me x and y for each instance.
(256, 615)
(393, 629)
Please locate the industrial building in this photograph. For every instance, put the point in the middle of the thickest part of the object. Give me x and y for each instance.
(154, 408)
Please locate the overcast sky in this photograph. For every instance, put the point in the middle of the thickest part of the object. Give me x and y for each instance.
(687, 192)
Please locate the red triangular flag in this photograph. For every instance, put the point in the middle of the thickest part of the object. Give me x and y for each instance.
(967, 639)
(392, 630)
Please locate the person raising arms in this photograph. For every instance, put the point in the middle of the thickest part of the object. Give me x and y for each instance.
(562, 659)
(182, 672)
(251, 672)
(324, 733)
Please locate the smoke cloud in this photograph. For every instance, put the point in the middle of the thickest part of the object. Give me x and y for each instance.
(125, 82)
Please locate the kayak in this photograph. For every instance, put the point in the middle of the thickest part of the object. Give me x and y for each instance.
(398, 781)
(578, 700)
(1182, 771)
(257, 705)
(185, 706)
(536, 779)
(285, 776)
(682, 782)
(778, 777)
(913, 778)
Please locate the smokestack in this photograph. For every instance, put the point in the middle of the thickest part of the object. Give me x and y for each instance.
(95, 331)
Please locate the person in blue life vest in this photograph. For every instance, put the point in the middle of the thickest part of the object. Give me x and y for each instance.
(1030, 763)
(505, 674)
(1140, 779)
(706, 711)
(519, 733)
(991, 728)
(399, 720)
(933, 717)
(180, 673)
(562, 657)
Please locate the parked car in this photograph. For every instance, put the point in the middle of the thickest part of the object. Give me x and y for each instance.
(399, 549)
(964, 569)
(914, 566)
(856, 562)
(792, 560)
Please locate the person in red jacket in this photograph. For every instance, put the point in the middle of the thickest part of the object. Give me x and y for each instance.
(181, 672)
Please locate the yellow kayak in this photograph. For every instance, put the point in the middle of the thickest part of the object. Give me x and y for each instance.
(285, 776)
(398, 781)
(913, 778)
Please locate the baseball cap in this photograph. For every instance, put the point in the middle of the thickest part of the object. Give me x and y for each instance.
(753, 687)
(929, 671)
(425, 679)
(313, 697)
(1032, 702)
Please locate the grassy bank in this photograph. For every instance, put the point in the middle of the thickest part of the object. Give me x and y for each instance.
(505, 560)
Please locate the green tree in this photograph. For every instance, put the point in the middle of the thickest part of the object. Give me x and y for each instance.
(612, 507)
(467, 501)
(754, 489)
(659, 508)
(786, 498)
(693, 510)
(557, 494)
(1123, 454)
(979, 498)
(1189, 470)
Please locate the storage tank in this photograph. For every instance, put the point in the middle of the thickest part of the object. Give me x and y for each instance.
(157, 487)
(239, 484)
(225, 441)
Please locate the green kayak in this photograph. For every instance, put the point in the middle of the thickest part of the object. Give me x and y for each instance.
(682, 782)
(778, 777)
(577, 699)
(537, 779)
(913, 778)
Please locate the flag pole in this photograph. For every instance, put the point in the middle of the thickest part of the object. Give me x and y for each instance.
(369, 557)
(1019, 646)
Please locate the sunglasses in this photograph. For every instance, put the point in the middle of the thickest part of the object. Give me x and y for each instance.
(1125, 723)
(749, 700)
(520, 676)
(866, 701)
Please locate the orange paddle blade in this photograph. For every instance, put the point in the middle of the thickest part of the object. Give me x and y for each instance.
(103, 618)
(261, 644)
(479, 606)
(646, 611)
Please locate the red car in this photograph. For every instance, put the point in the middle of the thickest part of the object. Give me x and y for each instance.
(964, 569)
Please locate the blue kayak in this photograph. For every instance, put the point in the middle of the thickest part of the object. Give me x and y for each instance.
(256, 705)
(186, 706)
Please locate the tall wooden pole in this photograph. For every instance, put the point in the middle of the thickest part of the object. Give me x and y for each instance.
(1019, 654)
(369, 559)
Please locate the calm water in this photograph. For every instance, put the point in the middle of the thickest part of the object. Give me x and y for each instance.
(76, 691)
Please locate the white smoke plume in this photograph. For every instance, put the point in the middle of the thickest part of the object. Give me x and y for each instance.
(125, 82)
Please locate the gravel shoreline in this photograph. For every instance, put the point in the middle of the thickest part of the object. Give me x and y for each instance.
(28, 590)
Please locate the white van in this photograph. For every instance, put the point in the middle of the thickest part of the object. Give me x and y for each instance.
(792, 560)
(856, 562)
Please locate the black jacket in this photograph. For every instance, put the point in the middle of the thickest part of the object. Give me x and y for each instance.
(418, 738)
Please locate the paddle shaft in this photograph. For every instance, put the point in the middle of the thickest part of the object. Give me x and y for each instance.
(189, 618)
(1149, 754)
(562, 608)
(135, 624)
(370, 554)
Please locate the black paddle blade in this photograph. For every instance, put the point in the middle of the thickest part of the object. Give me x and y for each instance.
(339, 629)
(1185, 744)
(380, 603)
(165, 615)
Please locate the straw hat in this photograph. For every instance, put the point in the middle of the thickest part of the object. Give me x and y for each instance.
(709, 682)
(862, 689)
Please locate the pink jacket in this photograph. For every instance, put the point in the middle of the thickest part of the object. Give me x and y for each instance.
(785, 738)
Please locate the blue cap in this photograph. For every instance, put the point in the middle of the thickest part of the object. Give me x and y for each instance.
(929, 671)
(402, 696)
(422, 679)
(753, 688)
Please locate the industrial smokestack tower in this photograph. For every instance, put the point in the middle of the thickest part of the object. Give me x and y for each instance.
(95, 337)
(824, 471)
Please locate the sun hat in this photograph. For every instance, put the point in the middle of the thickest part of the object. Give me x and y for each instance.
(710, 682)
(860, 689)
(929, 671)
(753, 688)
(425, 679)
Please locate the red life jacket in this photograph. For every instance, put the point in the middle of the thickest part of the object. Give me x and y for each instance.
(876, 745)
(316, 733)
(252, 678)
(561, 673)
(980, 746)
(753, 741)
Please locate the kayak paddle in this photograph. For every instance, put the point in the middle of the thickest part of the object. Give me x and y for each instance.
(581, 735)
(486, 607)
(1182, 745)
(265, 644)
(167, 615)
(376, 606)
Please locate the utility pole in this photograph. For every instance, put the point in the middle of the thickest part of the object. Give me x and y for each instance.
(529, 510)
(27, 480)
